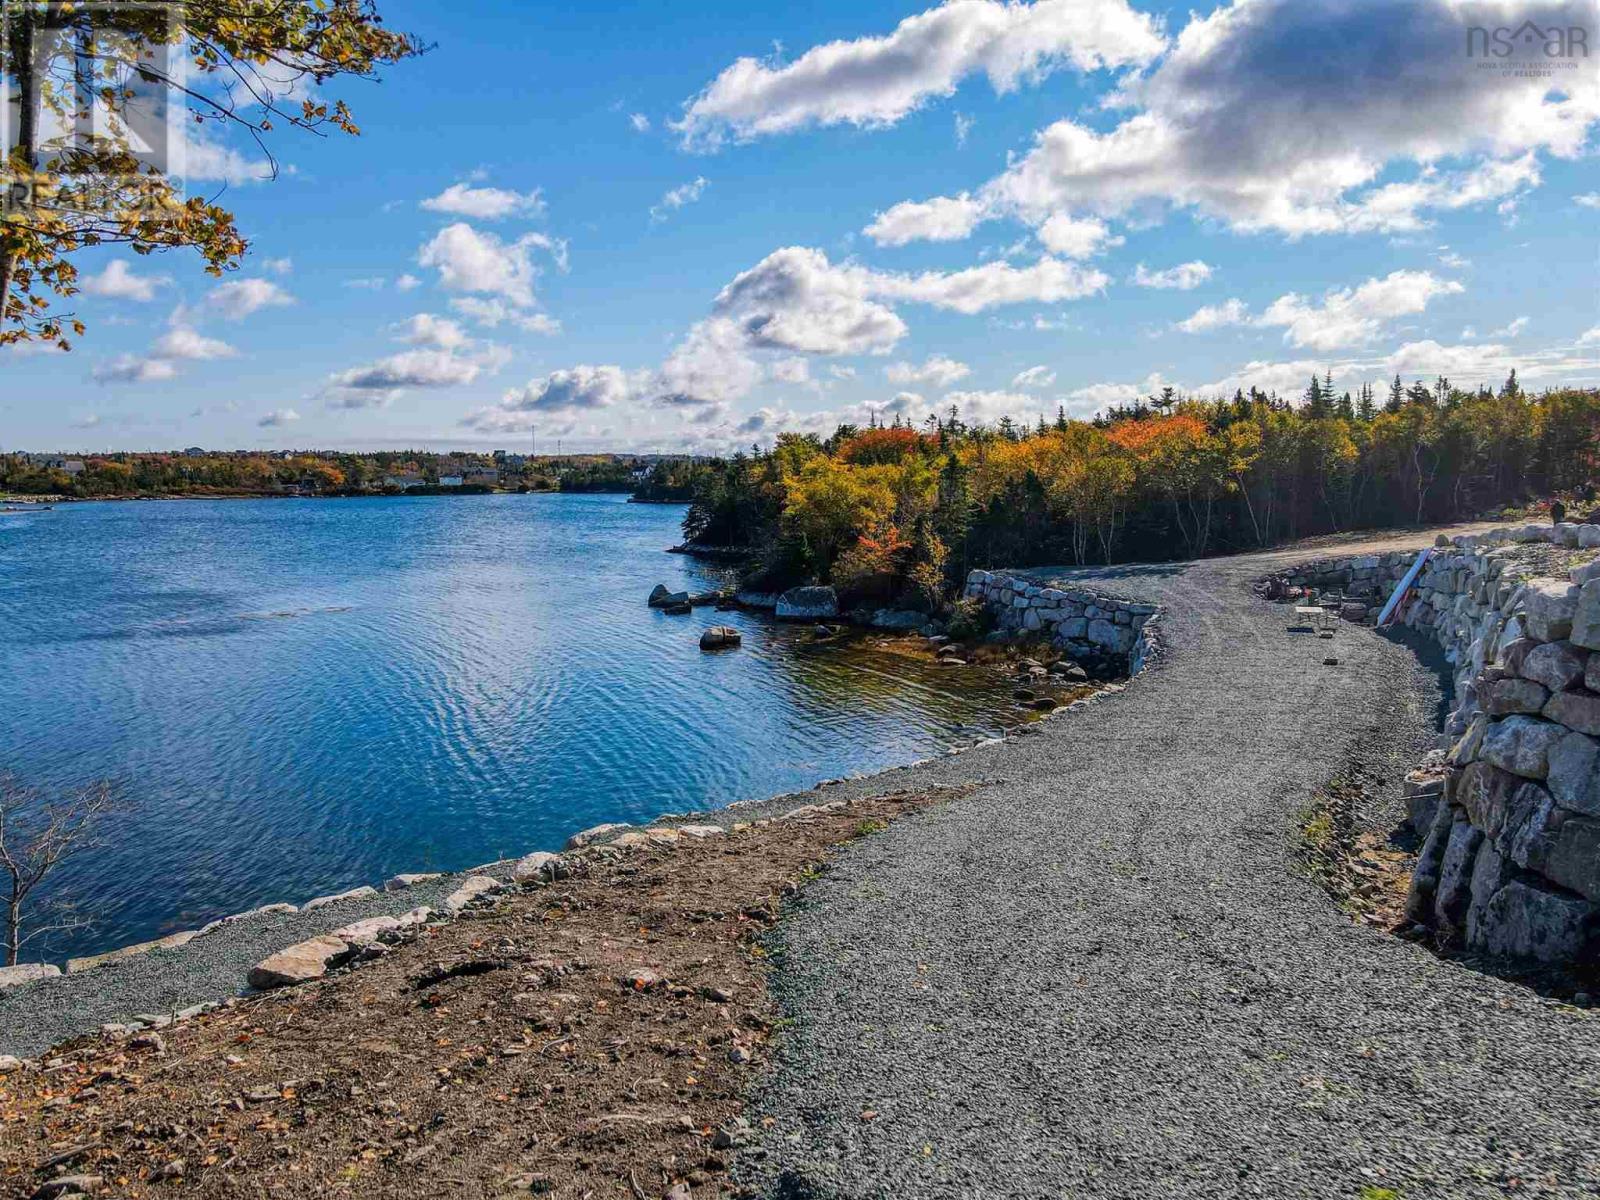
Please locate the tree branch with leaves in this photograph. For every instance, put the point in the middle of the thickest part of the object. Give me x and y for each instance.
(70, 66)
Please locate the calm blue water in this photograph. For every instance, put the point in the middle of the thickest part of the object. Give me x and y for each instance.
(300, 696)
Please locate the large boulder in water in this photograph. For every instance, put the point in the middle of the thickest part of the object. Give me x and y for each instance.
(661, 598)
(897, 619)
(720, 637)
(808, 604)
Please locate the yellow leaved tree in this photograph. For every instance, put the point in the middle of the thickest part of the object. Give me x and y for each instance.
(98, 93)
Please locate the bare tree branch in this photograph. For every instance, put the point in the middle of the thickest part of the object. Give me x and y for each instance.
(37, 834)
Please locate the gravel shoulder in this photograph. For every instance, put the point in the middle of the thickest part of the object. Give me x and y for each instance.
(1106, 973)
(212, 967)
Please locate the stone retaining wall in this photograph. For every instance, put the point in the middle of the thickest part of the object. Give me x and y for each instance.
(1083, 624)
(1510, 815)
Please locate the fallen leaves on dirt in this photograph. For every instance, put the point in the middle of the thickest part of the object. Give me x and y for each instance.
(591, 1037)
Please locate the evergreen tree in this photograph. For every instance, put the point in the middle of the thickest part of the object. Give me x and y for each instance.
(1364, 408)
(952, 516)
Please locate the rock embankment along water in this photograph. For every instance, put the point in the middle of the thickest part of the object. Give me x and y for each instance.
(1086, 625)
(1510, 816)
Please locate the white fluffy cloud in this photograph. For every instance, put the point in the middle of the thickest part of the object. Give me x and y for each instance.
(1182, 277)
(678, 197)
(277, 417)
(208, 160)
(480, 264)
(133, 368)
(485, 203)
(182, 342)
(443, 356)
(875, 81)
(1034, 377)
(1352, 315)
(1095, 397)
(712, 365)
(437, 333)
(987, 407)
(943, 219)
(119, 282)
(796, 300)
(239, 298)
(1232, 126)
(494, 313)
(1076, 237)
(993, 285)
(423, 367)
(579, 387)
(938, 370)
(1344, 317)
(572, 390)
(795, 370)
(1216, 316)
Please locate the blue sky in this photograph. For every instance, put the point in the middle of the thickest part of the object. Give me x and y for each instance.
(662, 227)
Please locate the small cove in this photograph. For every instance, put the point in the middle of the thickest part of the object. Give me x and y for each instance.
(301, 696)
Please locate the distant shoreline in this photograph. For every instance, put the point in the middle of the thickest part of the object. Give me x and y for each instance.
(41, 501)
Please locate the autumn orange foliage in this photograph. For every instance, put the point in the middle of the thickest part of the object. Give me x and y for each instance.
(882, 446)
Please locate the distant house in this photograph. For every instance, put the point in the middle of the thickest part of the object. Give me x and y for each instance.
(404, 480)
(450, 481)
(194, 452)
(72, 466)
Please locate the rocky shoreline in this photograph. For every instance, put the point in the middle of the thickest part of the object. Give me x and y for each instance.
(151, 984)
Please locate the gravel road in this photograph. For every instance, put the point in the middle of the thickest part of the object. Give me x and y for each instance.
(1104, 975)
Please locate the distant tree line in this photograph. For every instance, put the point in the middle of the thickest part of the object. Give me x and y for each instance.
(248, 473)
(901, 513)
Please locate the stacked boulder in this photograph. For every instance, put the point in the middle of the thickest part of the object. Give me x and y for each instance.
(1086, 626)
(1510, 816)
(1511, 863)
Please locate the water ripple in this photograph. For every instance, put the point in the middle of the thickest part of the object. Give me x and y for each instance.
(300, 697)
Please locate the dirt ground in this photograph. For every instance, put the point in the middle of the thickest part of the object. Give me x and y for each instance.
(584, 1038)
